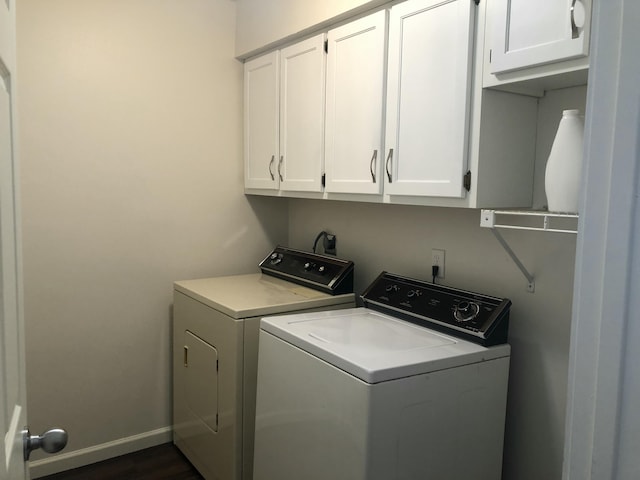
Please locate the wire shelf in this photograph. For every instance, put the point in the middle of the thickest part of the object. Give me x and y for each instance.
(532, 220)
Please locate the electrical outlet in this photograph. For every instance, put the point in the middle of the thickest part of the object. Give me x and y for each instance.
(437, 258)
(329, 244)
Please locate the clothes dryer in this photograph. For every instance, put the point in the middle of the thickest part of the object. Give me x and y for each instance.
(215, 348)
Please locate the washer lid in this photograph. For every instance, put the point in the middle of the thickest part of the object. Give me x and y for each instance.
(376, 347)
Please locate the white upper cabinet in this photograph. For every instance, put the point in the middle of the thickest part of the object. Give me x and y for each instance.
(530, 33)
(428, 97)
(284, 118)
(261, 121)
(354, 106)
(405, 119)
(302, 77)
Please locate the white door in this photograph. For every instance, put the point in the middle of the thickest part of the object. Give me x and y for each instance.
(302, 80)
(13, 408)
(16, 440)
(354, 106)
(261, 93)
(526, 33)
(428, 92)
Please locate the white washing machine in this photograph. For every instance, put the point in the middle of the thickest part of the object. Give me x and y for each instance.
(215, 350)
(411, 387)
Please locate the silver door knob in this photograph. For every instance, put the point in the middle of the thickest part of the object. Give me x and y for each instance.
(51, 441)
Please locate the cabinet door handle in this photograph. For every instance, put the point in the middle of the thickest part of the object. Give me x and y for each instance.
(185, 356)
(373, 164)
(273, 157)
(574, 27)
(388, 164)
(280, 167)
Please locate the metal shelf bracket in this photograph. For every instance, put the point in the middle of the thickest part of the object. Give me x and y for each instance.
(488, 220)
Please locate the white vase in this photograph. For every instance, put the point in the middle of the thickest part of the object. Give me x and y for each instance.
(564, 166)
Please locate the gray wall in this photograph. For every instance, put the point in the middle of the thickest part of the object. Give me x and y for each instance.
(262, 23)
(131, 148)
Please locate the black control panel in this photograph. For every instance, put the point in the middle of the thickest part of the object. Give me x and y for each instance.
(472, 316)
(320, 272)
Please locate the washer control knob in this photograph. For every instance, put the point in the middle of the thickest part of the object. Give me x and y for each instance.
(308, 266)
(464, 306)
(465, 311)
(321, 269)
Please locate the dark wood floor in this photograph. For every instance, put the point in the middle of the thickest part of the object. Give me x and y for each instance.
(164, 462)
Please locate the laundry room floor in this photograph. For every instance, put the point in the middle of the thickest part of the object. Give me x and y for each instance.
(164, 462)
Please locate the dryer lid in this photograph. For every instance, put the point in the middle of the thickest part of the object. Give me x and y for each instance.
(256, 295)
(376, 347)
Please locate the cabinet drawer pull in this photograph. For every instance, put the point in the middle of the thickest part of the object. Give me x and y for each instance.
(280, 167)
(574, 26)
(388, 164)
(273, 157)
(372, 165)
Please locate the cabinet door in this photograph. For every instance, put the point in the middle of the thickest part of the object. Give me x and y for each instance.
(428, 92)
(355, 95)
(261, 86)
(302, 76)
(526, 33)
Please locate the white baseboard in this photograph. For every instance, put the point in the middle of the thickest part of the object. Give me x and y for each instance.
(97, 453)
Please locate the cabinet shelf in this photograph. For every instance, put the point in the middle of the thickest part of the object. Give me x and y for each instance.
(531, 220)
